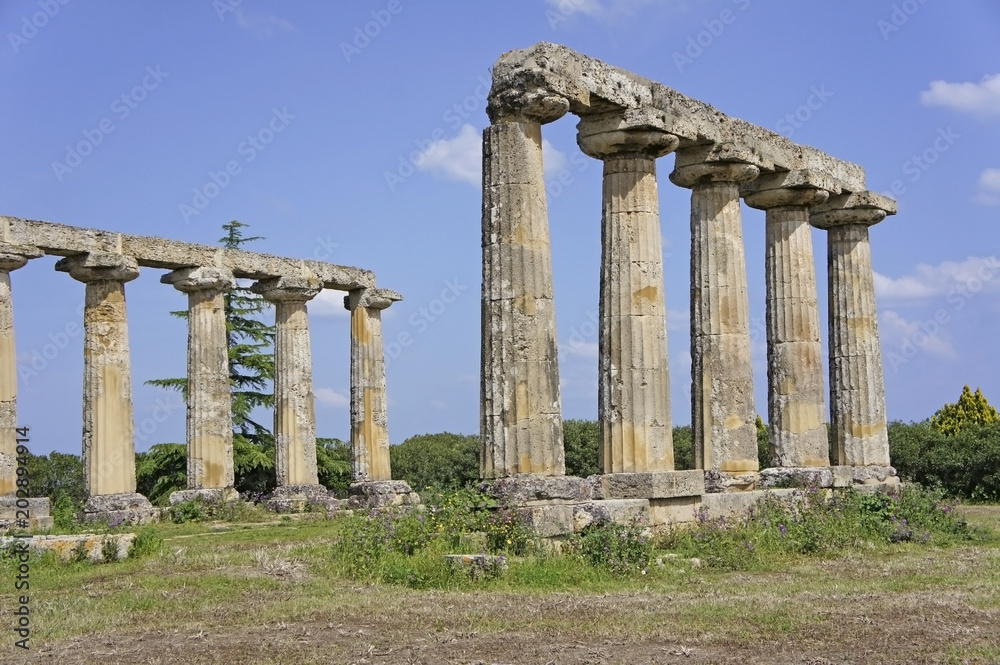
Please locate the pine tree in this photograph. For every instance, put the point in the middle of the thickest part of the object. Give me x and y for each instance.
(971, 409)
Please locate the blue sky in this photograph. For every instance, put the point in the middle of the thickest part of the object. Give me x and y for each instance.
(351, 133)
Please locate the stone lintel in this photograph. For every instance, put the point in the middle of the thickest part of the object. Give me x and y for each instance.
(788, 188)
(690, 173)
(525, 487)
(99, 266)
(288, 289)
(866, 208)
(205, 278)
(658, 485)
(593, 87)
(371, 299)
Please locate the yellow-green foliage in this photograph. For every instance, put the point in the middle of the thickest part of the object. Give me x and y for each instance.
(971, 409)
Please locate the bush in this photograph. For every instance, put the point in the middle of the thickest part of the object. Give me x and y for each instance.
(622, 549)
(147, 542)
(581, 440)
(442, 460)
(965, 465)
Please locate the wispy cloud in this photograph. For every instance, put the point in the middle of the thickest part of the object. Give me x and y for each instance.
(330, 397)
(602, 8)
(896, 331)
(263, 26)
(933, 281)
(989, 188)
(981, 98)
(328, 303)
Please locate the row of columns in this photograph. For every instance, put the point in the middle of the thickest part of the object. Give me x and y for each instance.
(520, 401)
(108, 435)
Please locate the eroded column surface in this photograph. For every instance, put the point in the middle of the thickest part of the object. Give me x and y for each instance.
(12, 257)
(722, 404)
(209, 402)
(633, 373)
(369, 408)
(108, 442)
(857, 386)
(521, 421)
(796, 400)
(294, 401)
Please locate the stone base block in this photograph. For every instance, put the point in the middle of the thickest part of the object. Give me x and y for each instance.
(727, 504)
(303, 499)
(797, 477)
(39, 513)
(381, 493)
(662, 485)
(206, 495)
(115, 509)
(874, 475)
(105, 547)
(678, 510)
(529, 487)
(556, 519)
(725, 481)
(623, 511)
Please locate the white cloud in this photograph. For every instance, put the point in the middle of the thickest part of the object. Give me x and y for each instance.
(678, 320)
(570, 7)
(897, 332)
(931, 281)
(981, 98)
(330, 397)
(261, 25)
(461, 158)
(581, 349)
(989, 188)
(600, 8)
(328, 303)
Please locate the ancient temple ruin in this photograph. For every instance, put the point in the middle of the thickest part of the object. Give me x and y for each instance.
(627, 122)
(106, 261)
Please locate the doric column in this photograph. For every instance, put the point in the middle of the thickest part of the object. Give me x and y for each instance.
(12, 257)
(209, 401)
(521, 421)
(108, 441)
(294, 402)
(369, 409)
(634, 381)
(795, 396)
(857, 386)
(722, 404)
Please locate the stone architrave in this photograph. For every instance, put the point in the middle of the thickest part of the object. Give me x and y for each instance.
(857, 384)
(369, 407)
(796, 399)
(209, 399)
(294, 401)
(722, 411)
(521, 420)
(108, 429)
(634, 380)
(12, 257)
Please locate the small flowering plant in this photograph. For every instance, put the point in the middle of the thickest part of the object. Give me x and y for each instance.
(622, 549)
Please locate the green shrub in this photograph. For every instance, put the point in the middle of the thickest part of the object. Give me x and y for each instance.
(442, 460)
(147, 542)
(622, 549)
(966, 464)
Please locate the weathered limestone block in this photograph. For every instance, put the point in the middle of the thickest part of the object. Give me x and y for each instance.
(90, 546)
(211, 495)
(521, 423)
(634, 382)
(302, 498)
(381, 493)
(721, 481)
(209, 416)
(736, 503)
(12, 257)
(369, 405)
(798, 477)
(294, 402)
(120, 508)
(874, 475)
(723, 414)
(529, 487)
(621, 511)
(550, 520)
(857, 385)
(39, 513)
(796, 399)
(677, 510)
(663, 485)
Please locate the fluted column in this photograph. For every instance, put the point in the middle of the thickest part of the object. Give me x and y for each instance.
(108, 442)
(209, 401)
(521, 421)
(857, 385)
(634, 381)
(722, 410)
(12, 257)
(795, 395)
(369, 408)
(294, 401)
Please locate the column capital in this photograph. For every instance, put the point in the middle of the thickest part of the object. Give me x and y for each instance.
(788, 189)
(13, 257)
(190, 280)
(371, 299)
(864, 208)
(288, 289)
(515, 104)
(99, 266)
(627, 131)
(716, 162)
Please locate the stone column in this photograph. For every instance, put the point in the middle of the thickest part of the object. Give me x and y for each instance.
(634, 381)
(294, 402)
(209, 399)
(795, 396)
(857, 386)
(521, 420)
(722, 403)
(108, 442)
(12, 257)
